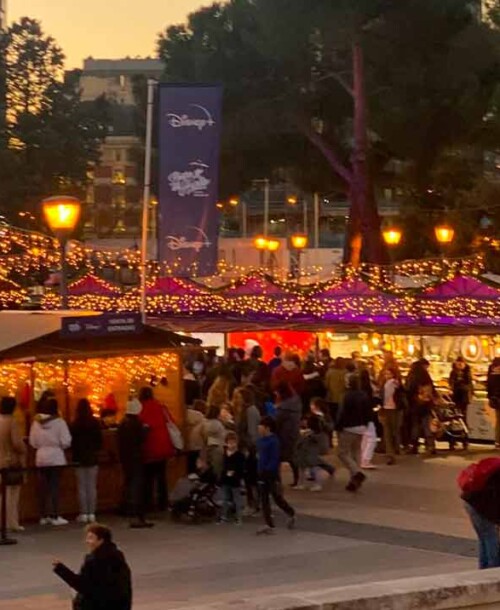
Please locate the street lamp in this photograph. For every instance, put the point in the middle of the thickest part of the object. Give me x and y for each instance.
(392, 236)
(270, 245)
(444, 234)
(299, 243)
(62, 215)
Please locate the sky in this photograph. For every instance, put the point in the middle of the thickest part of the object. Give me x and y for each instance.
(104, 29)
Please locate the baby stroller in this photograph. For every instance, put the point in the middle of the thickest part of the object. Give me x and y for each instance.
(194, 497)
(451, 426)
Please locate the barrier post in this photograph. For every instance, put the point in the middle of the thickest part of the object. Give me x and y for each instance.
(4, 539)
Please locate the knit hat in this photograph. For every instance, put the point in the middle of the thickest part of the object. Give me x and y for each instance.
(134, 407)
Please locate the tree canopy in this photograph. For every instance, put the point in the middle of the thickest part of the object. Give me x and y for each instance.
(349, 94)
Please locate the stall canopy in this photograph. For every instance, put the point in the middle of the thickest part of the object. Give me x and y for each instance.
(462, 286)
(55, 346)
(256, 286)
(175, 287)
(92, 284)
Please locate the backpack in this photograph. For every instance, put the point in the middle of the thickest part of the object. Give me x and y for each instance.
(474, 477)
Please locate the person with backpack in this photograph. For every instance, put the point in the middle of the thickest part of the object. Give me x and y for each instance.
(480, 485)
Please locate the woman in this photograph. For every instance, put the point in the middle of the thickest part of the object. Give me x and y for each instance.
(104, 581)
(288, 416)
(86, 443)
(335, 385)
(195, 422)
(493, 387)
(214, 433)
(50, 436)
(461, 385)
(12, 455)
(248, 434)
(219, 391)
(390, 416)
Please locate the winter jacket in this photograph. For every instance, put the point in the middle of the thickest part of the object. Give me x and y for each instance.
(289, 373)
(50, 436)
(158, 445)
(86, 441)
(268, 451)
(288, 416)
(104, 581)
(12, 447)
(354, 411)
(234, 464)
(195, 422)
(308, 450)
(131, 437)
(214, 433)
(248, 428)
(487, 501)
(493, 386)
(335, 385)
(461, 385)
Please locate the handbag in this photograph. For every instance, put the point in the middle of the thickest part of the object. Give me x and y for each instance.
(174, 432)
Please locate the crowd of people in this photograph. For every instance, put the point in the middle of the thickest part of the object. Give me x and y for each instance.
(245, 418)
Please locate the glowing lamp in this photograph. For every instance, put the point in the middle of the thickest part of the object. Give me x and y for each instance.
(299, 242)
(260, 243)
(444, 234)
(392, 236)
(273, 245)
(234, 201)
(291, 200)
(61, 214)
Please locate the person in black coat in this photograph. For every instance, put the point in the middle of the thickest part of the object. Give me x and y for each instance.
(86, 435)
(104, 581)
(131, 436)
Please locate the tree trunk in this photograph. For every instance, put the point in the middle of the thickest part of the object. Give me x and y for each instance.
(364, 239)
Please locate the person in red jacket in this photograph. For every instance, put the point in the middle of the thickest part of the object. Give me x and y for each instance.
(289, 372)
(157, 448)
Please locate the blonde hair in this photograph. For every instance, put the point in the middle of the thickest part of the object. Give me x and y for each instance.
(218, 393)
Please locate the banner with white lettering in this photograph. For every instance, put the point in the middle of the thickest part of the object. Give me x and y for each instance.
(189, 144)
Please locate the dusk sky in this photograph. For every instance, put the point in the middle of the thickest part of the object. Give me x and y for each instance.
(104, 28)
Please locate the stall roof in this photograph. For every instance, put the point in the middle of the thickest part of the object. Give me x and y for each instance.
(55, 346)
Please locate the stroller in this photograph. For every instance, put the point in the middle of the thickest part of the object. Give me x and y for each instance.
(194, 497)
(450, 423)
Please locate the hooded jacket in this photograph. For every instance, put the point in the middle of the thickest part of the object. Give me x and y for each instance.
(50, 436)
(104, 581)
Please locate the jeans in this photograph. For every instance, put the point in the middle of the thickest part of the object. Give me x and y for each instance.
(232, 500)
(49, 477)
(133, 492)
(391, 420)
(350, 450)
(87, 489)
(368, 444)
(271, 487)
(155, 476)
(489, 543)
(421, 427)
(251, 478)
(13, 493)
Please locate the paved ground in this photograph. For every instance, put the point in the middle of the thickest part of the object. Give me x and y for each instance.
(406, 521)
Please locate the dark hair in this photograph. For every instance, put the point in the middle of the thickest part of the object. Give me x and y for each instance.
(241, 353)
(231, 436)
(321, 404)
(353, 382)
(247, 396)
(41, 405)
(51, 407)
(424, 362)
(269, 423)
(84, 410)
(213, 412)
(200, 405)
(277, 351)
(145, 393)
(284, 390)
(325, 352)
(8, 405)
(100, 531)
(350, 367)
(256, 352)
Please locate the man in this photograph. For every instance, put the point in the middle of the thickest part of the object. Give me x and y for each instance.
(104, 580)
(289, 372)
(275, 362)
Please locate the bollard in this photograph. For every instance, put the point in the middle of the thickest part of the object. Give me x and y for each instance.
(4, 539)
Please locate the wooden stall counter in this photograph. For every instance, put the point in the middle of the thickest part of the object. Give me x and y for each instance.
(109, 485)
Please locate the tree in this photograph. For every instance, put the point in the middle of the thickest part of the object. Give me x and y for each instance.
(304, 78)
(48, 137)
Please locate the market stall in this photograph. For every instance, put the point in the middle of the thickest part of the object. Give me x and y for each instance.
(102, 358)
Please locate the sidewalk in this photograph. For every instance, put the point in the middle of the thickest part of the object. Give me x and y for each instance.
(406, 521)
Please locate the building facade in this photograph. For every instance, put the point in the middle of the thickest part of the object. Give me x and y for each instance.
(3, 14)
(114, 201)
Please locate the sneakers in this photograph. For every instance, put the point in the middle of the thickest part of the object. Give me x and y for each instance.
(266, 531)
(316, 487)
(82, 519)
(368, 466)
(297, 487)
(356, 481)
(45, 521)
(91, 518)
(58, 521)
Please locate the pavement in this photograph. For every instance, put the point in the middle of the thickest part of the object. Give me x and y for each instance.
(406, 521)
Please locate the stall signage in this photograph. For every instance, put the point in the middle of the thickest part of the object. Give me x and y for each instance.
(105, 325)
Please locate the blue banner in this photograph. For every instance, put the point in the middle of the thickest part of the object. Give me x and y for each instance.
(104, 325)
(189, 143)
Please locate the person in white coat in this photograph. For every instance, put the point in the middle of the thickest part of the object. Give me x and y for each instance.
(50, 436)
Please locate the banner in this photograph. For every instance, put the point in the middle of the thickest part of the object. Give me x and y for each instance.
(104, 325)
(189, 143)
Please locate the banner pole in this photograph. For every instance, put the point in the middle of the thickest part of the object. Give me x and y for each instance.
(147, 194)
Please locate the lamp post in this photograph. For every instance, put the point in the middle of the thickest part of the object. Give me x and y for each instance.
(392, 238)
(299, 243)
(62, 215)
(270, 245)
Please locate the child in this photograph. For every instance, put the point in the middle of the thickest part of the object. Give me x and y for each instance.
(268, 451)
(233, 470)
